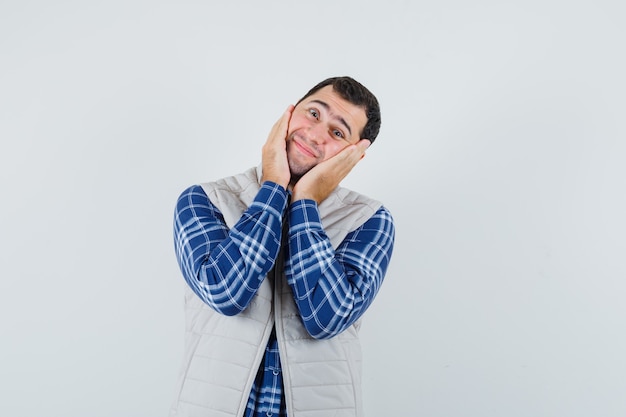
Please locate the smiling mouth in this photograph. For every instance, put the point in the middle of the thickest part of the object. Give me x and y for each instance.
(303, 147)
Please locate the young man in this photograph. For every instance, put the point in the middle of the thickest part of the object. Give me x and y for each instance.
(280, 264)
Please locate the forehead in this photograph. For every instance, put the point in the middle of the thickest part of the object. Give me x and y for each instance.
(339, 107)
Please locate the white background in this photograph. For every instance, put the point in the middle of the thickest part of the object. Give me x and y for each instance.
(501, 156)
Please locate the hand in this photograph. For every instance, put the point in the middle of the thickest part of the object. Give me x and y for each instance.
(274, 154)
(321, 180)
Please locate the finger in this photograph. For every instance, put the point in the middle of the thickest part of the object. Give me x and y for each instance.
(282, 125)
(286, 119)
(348, 158)
(363, 144)
(358, 150)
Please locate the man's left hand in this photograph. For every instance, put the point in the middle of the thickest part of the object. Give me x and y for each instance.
(321, 180)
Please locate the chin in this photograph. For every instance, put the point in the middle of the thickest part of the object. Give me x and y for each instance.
(298, 170)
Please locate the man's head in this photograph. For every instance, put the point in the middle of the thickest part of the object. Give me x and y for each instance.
(334, 114)
(357, 94)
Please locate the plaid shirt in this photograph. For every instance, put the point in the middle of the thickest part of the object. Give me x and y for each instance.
(225, 267)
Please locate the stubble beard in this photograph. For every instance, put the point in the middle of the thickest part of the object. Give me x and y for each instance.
(296, 168)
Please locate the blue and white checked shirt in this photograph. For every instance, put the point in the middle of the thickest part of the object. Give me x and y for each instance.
(225, 268)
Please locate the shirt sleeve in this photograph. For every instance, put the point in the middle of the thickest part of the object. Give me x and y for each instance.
(226, 267)
(333, 288)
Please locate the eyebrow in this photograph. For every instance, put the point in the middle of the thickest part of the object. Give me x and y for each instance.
(327, 108)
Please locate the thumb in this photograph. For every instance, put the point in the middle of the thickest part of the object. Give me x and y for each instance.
(363, 144)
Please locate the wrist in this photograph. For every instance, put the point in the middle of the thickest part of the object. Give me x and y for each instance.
(275, 180)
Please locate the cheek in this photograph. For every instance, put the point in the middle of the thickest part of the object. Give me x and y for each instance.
(298, 118)
(295, 123)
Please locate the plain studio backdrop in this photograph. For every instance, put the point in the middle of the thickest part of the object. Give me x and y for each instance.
(501, 156)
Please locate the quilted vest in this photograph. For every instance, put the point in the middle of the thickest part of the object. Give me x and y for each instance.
(322, 378)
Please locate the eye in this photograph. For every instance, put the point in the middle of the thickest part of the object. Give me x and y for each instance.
(338, 133)
(314, 113)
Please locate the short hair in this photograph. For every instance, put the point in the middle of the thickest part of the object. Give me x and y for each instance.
(356, 93)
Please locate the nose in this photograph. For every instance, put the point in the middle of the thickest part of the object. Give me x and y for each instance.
(317, 133)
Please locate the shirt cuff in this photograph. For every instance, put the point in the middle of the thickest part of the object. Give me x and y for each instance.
(305, 213)
(271, 196)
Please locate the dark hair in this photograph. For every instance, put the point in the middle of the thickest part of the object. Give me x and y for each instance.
(356, 93)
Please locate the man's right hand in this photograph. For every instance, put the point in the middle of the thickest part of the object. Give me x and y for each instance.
(274, 155)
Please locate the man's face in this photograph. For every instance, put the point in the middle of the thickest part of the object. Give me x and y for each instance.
(320, 127)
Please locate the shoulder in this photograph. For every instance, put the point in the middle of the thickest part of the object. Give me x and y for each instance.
(344, 202)
(345, 211)
(191, 195)
(194, 200)
(236, 184)
(381, 220)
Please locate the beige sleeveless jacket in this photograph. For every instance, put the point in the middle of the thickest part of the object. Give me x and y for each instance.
(322, 378)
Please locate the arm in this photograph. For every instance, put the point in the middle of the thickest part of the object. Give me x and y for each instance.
(226, 267)
(332, 288)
